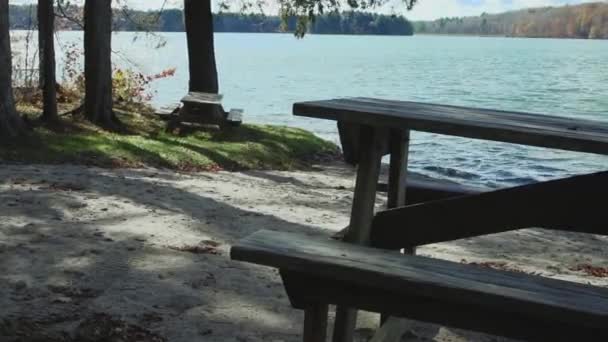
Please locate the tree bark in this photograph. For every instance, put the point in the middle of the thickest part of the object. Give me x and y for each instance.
(201, 49)
(98, 63)
(11, 124)
(46, 43)
(201, 57)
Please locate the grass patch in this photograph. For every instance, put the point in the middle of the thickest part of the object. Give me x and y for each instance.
(77, 141)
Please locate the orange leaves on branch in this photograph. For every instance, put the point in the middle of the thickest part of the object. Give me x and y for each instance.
(132, 86)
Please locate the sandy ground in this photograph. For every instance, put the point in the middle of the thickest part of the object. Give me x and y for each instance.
(143, 254)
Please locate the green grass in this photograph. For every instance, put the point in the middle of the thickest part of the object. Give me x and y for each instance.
(147, 144)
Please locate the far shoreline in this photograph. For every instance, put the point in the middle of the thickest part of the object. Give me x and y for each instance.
(353, 35)
(503, 36)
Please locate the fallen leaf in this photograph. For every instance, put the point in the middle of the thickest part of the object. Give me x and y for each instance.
(594, 271)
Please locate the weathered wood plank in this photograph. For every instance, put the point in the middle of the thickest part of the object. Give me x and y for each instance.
(570, 204)
(199, 119)
(397, 175)
(315, 323)
(399, 141)
(350, 135)
(424, 288)
(315, 313)
(422, 189)
(202, 98)
(512, 127)
(372, 143)
(345, 323)
(508, 321)
(349, 140)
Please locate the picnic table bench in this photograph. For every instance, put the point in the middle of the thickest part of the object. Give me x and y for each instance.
(205, 109)
(375, 277)
(317, 272)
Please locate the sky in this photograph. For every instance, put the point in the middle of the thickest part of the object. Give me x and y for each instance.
(424, 10)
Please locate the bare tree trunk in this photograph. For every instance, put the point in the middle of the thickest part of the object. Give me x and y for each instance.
(201, 49)
(201, 55)
(11, 124)
(98, 63)
(46, 43)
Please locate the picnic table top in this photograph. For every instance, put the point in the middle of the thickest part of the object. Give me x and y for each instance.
(487, 124)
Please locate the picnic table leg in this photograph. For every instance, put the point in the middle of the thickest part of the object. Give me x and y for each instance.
(372, 142)
(315, 323)
(397, 176)
(315, 313)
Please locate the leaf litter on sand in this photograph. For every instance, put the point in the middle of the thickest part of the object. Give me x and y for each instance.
(594, 271)
(204, 247)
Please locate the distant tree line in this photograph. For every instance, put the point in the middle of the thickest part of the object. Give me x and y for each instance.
(171, 20)
(22, 16)
(350, 22)
(98, 18)
(581, 21)
(362, 23)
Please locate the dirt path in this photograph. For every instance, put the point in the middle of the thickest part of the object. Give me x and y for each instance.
(87, 254)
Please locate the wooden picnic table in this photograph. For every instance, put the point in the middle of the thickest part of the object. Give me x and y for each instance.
(203, 109)
(382, 126)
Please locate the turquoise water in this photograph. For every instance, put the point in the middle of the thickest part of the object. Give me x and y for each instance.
(266, 73)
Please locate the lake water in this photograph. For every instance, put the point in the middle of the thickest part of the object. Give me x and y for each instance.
(266, 73)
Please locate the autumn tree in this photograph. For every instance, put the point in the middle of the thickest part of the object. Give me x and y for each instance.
(580, 21)
(11, 124)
